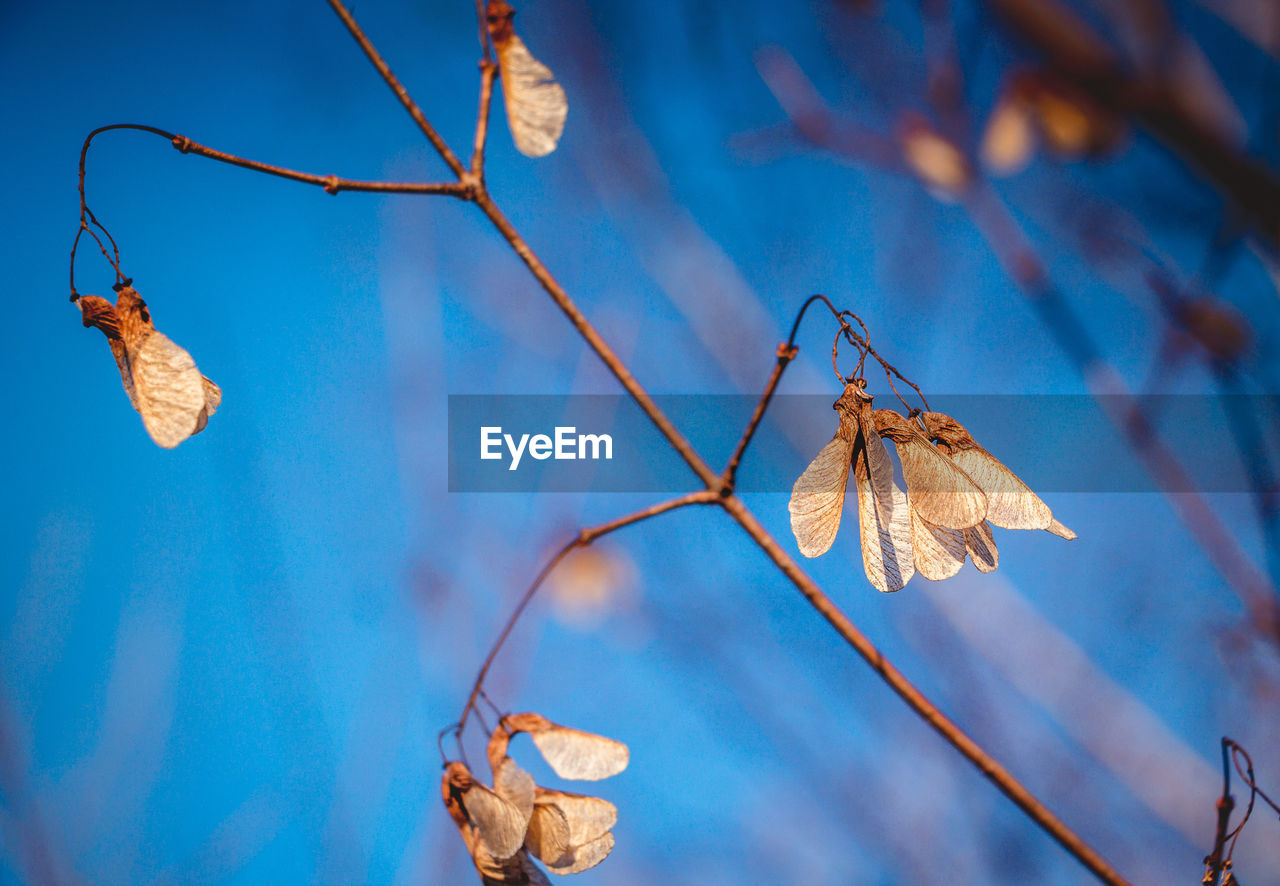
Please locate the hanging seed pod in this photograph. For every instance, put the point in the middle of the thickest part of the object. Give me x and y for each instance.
(163, 384)
(817, 498)
(939, 164)
(572, 753)
(1010, 503)
(1009, 139)
(535, 102)
(937, 487)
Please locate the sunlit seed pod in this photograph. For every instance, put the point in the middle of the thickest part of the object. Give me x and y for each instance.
(817, 498)
(939, 489)
(1010, 503)
(160, 378)
(1009, 139)
(571, 753)
(499, 824)
(884, 515)
(548, 835)
(535, 102)
(591, 583)
(589, 818)
(941, 166)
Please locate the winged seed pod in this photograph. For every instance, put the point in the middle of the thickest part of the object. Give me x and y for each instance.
(572, 753)
(535, 102)
(817, 498)
(568, 832)
(1009, 139)
(937, 162)
(162, 381)
(1010, 503)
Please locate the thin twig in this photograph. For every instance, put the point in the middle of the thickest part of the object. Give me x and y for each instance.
(953, 734)
(488, 70)
(331, 183)
(786, 353)
(581, 540)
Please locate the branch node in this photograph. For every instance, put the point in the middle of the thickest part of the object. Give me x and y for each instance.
(332, 184)
(182, 143)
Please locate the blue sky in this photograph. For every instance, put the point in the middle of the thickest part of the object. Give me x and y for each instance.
(228, 662)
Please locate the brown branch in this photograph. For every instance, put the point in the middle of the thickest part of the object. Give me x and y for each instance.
(953, 734)
(786, 353)
(716, 491)
(1213, 862)
(581, 540)
(488, 70)
(1078, 53)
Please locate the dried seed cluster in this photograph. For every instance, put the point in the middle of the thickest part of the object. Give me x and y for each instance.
(956, 491)
(504, 825)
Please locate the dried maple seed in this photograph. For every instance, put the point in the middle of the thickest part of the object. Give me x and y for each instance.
(162, 381)
(572, 753)
(535, 102)
(941, 166)
(817, 498)
(1010, 503)
(937, 487)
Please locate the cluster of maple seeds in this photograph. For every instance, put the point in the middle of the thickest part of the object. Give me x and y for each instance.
(956, 491)
(501, 826)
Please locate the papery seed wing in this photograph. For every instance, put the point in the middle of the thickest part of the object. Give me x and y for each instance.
(943, 493)
(212, 397)
(572, 753)
(581, 755)
(499, 825)
(548, 836)
(885, 529)
(817, 498)
(937, 553)
(536, 103)
(981, 545)
(586, 856)
(1009, 139)
(1010, 503)
(516, 786)
(168, 389)
(589, 818)
(1061, 531)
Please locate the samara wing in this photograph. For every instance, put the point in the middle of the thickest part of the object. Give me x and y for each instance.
(536, 103)
(937, 553)
(1010, 503)
(981, 545)
(817, 498)
(939, 489)
(885, 529)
